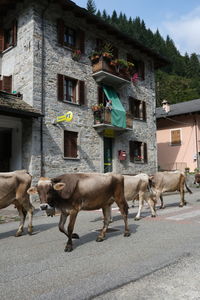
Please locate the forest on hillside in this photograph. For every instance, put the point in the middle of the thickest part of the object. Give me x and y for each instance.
(177, 82)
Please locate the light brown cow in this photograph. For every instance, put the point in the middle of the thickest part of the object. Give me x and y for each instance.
(170, 181)
(136, 187)
(71, 193)
(13, 190)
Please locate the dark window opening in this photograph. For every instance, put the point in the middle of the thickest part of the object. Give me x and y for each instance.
(138, 152)
(137, 109)
(70, 144)
(139, 66)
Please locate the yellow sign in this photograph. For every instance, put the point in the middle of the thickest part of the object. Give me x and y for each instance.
(109, 133)
(66, 117)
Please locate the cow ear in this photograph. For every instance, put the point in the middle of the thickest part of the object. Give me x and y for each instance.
(59, 186)
(32, 190)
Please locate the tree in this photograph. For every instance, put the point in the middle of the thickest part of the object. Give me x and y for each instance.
(91, 6)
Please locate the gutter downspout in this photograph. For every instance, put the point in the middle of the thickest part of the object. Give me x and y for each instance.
(196, 140)
(42, 171)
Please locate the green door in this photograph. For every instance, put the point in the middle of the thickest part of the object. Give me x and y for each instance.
(107, 155)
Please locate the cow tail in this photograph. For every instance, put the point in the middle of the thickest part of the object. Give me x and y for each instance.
(188, 189)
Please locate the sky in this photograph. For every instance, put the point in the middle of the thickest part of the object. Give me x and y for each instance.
(180, 19)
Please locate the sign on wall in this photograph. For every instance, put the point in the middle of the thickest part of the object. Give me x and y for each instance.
(65, 118)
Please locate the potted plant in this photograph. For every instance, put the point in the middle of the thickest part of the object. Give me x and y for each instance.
(121, 64)
(94, 56)
(107, 52)
(76, 54)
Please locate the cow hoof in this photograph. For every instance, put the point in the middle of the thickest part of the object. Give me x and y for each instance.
(75, 236)
(137, 219)
(127, 234)
(162, 207)
(180, 205)
(30, 230)
(99, 239)
(68, 248)
(18, 233)
(153, 216)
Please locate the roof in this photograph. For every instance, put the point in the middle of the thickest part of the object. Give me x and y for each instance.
(11, 104)
(181, 108)
(99, 23)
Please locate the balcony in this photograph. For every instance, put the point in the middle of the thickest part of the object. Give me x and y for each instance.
(108, 74)
(102, 121)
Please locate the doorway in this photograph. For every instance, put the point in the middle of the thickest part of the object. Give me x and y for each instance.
(5, 149)
(108, 166)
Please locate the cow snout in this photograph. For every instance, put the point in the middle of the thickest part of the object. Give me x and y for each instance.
(43, 206)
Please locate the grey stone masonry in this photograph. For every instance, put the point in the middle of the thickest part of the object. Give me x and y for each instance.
(34, 64)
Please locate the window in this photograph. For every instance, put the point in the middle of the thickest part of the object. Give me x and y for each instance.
(8, 36)
(71, 90)
(70, 144)
(6, 84)
(138, 152)
(137, 109)
(70, 37)
(175, 137)
(139, 66)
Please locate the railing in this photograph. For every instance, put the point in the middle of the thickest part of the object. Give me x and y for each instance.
(103, 116)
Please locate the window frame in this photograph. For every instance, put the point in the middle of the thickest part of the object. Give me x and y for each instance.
(137, 109)
(78, 92)
(69, 154)
(8, 36)
(139, 66)
(141, 156)
(179, 143)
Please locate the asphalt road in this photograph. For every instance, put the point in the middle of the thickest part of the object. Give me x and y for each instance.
(160, 260)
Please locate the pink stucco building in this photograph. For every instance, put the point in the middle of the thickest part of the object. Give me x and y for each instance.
(178, 135)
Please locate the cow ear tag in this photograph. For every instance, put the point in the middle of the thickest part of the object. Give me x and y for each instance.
(59, 186)
(32, 190)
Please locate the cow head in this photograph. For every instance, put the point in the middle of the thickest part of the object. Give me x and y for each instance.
(45, 189)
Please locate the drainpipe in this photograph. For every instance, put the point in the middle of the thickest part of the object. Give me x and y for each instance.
(42, 172)
(196, 140)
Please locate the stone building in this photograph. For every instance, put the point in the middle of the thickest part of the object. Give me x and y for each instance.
(59, 58)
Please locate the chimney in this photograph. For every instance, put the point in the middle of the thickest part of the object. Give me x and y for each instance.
(165, 106)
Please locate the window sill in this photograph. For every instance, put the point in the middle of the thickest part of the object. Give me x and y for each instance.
(71, 158)
(7, 49)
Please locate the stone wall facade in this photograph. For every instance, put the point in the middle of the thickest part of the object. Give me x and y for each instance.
(38, 48)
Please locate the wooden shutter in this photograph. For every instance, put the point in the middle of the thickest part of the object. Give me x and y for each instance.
(176, 137)
(144, 110)
(81, 85)
(70, 144)
(7, 84)
(80, 43)
(60, 87)
(145, 152)
(60, 31)
(14, 33)
(1, 85)
(2, 42)
(141, 70)
(131, 150)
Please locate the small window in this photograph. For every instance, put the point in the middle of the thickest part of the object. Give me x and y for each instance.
(8, 36)
(137, 109)
(70, 144)
(6, 84)
(71, 90)
(139, 66)
(138, 152)
(175, 137)
(69, 37)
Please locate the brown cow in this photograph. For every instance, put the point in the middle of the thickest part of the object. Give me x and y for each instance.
(71, 193)
(169, 182)
(13, 190)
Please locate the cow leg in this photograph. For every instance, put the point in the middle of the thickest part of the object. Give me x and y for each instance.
(161, 200)
(22, 215)
(72, 220)
(61, 225)
(152, 207)
(107, 217)
(182, 201)
(123, 207)
(29, 208)
(141, 202)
